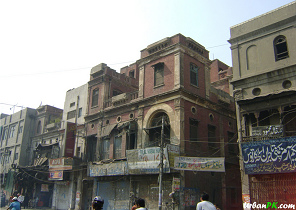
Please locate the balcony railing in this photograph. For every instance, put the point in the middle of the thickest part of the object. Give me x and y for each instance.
(121, 99)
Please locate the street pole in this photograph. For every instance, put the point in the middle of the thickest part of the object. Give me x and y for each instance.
(161, 165)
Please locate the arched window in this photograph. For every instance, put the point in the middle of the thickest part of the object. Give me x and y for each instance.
(280, 48)
(155, 130)
(39, 127)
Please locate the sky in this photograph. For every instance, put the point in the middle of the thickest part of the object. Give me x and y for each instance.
(48, 47)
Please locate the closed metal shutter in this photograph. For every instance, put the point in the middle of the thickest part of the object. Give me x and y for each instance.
(279, 188)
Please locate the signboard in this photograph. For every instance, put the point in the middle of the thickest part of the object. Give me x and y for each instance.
(267, 130)
(60, 164)
(109, 169)
(200, 164)
(147, 161)
(173, 151)
(55, 175)
(70, 139)
(270, 156)
(176, 184)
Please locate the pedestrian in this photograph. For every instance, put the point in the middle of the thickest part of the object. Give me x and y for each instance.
(98, 203)
(20, 199)
(204, 203)
(15, 205)
(140, 202)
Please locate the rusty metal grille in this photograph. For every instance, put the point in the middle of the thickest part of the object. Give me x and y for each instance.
(279, 188)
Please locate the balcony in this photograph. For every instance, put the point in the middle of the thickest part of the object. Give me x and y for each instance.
(53, 126)
(121, 99)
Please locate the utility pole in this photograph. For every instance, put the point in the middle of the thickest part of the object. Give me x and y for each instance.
(161, 164)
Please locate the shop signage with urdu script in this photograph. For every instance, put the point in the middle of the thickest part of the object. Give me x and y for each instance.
(270, 156)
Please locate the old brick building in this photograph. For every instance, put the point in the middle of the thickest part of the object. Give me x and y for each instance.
(124, 127)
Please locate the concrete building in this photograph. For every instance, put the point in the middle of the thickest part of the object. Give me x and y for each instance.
(165, 99)
(16, 132)
(264, 78)
(70, 162)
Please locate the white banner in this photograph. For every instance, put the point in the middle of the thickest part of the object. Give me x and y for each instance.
(200, 164)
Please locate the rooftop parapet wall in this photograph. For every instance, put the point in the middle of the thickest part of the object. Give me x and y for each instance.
(282, 14)
(170, 41)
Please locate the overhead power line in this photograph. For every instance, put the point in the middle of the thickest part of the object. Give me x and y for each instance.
(59, 71)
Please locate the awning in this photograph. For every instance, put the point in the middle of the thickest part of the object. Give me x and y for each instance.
(106, 130)
(40, 161)
(122, 124)
(45, 145)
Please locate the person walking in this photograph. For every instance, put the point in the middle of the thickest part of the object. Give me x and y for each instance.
(98, 203)
(15, 205)
(20, 199)
(204, 203)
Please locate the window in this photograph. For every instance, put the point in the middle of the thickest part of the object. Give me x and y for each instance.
(78, 152)
(16, 156)
(80, 112)
(71, 114)
(117, 147)
(155, 130)
(39, 127)
(105, 149)
(193, 74)
(5, 134)
(132, 74)
(95, 97)
(21, 126)
(11, 131)
(72, 104)
(280, 48)
(193, 129)
(158, 74)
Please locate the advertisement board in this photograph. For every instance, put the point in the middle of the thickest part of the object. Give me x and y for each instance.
(270, 156)
(147, 161)
(200, 164)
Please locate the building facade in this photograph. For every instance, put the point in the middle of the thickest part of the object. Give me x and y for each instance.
(163, 100)
(16, 131)
(68, 169)
(264, 77)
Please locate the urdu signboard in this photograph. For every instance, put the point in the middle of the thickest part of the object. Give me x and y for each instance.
(267, 130)
(270, 156)
(147, 161)
(108, 169)
(200, 164)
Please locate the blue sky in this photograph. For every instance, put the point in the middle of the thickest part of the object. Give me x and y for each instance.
(49, 47)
